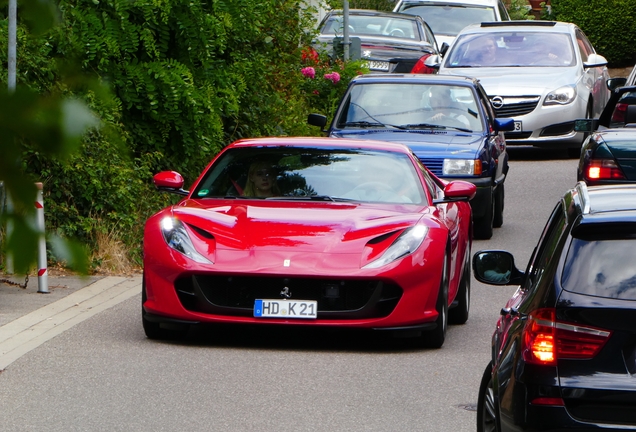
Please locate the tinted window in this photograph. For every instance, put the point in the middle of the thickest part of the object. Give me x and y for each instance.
(601, 268)
(357, 175)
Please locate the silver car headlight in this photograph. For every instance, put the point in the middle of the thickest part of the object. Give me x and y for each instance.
(176, 236)
(461, 167)
(561, 96)
(405, 244)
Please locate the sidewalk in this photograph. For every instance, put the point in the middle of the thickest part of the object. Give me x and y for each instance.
(28, 318)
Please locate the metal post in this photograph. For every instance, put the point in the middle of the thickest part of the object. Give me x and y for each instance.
(43, 277)
(8, 263)
(11, 67)
(345, 31)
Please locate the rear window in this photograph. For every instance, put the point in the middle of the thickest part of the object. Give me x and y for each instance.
(601, 268)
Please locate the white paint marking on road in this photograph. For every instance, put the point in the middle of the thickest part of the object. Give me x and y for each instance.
(30, 331)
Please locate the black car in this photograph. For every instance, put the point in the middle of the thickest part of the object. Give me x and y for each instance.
(609, 156)
(564, 347)
(447, 121)
(619, 111)
(390, 42)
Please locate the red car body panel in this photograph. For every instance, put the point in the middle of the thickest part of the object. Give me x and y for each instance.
(279, 238)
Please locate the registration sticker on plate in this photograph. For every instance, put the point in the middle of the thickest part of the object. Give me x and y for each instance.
(285, 308)
(378, 65)
(518, 127)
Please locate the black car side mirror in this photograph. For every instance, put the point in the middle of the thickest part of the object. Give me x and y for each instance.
(496, 267)
(614, 83)
(317, 120)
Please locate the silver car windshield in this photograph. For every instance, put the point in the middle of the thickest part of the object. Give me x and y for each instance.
(449, 20)
(411, 107)
(512, 49)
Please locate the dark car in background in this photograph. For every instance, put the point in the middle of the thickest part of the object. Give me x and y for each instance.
(564, 347)
(609, 157)
(447, 122)
(389, 42)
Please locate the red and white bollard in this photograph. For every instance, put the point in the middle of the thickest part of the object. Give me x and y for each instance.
(43, 282)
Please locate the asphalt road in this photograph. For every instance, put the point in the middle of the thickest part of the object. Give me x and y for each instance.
(104, 375)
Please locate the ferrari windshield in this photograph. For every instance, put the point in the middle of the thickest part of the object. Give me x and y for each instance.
(312, 174)
(512, 49)
(411, 106)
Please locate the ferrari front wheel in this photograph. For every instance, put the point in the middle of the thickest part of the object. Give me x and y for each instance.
(435, 338)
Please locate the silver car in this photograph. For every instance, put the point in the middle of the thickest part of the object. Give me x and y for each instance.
(544, 74)
(448, 17)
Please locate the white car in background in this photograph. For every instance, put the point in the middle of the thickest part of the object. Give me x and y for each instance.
(448, 17)
(543, 74)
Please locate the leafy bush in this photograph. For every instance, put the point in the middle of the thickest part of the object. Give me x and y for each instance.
(608, 25)
(519, 10)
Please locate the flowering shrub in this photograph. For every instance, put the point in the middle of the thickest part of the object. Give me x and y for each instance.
(325, 80)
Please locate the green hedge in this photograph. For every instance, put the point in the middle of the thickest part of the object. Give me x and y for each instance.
(609, 24)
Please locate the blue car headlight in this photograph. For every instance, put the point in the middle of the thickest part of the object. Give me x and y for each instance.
(561, 96)
(176, 236)
(405, 244)
(462, 167)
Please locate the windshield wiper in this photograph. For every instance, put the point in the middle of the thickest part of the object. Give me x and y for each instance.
(372, 124)
(434, 126)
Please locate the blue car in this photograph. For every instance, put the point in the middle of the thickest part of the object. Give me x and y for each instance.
(448, 123)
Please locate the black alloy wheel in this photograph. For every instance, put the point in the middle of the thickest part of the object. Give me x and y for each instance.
(435, 338)
(487, 411)
(482, 227)
(500, 195)
(459, 314)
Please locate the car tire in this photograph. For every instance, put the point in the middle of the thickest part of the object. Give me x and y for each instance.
(435, 338)
(500, 195)
(487, 409)
(482, 227)
(575, 152)
(459, 314)
(154, 330)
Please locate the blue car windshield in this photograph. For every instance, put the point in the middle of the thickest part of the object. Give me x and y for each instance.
(411, 106)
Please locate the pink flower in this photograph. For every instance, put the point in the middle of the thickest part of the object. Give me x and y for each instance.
(333, 77)
(316, 92)
(309, 72)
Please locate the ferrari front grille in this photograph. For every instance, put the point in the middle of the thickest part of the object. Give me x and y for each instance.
(337, 298)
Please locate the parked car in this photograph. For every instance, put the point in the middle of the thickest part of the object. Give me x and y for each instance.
(448, 17)
(544, 74)
(449, 124)
(609, 157)
(310, 232)
(619, 111)
(563, 349)
(389, 42)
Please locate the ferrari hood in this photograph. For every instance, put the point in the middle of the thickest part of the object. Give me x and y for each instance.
(305, 227)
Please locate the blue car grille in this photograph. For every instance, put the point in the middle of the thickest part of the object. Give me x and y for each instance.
(436, 166)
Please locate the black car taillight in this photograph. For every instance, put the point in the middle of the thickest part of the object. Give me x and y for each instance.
(546, 340)
(421, 68)
(603, 169)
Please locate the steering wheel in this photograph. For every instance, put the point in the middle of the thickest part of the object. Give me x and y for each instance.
(397, 33)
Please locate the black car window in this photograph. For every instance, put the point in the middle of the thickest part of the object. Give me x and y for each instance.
(546, 255)
(601, 268)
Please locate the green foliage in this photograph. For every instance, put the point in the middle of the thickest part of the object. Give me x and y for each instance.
(381, 5)
(186, 79)
(519, 10)
(607, 23)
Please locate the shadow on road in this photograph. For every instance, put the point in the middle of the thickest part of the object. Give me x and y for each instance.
(529, 153)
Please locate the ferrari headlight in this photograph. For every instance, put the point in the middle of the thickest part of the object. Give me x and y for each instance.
(561, 96)
(462, 167)
(176, 236)
(405, 244)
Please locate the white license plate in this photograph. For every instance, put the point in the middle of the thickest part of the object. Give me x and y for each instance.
(379, 65)
(518, 127)
(286, 308)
